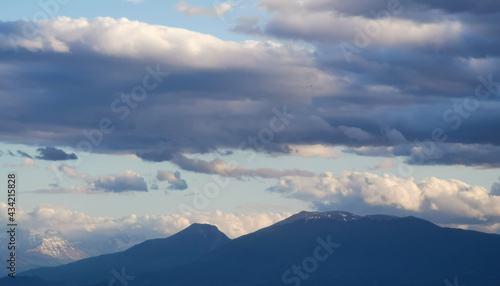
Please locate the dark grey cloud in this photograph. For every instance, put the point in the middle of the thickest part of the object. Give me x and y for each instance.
(54, 154)
(226, 97)
(495, 189)
(364, 7)
(24, 154)
(484, 156)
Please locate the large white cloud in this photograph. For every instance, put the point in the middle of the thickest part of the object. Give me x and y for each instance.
(308, 151)
(78, 226)
(133, 39)
(434, 198)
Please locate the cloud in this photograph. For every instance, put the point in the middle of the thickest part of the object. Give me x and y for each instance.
(308, 151)
(478, 155)
(208, 78)
(174, 178)
(313, 20)
(28, 162)
(122, 182)
(495, 189)
(54, 154)
(221, 167)
(210, 94)
(386, 164)
(128, 181)
(78, 226)
(248, 25)
(443, 201)
(261, 207)
(365, 6)
(189, 10)
(23, 154)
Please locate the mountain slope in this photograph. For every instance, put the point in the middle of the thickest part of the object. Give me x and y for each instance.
(54, 246)
(48, 248)
(152, 255)
(309, 248)
(370, 250)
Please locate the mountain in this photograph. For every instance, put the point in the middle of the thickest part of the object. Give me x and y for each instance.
(156, 255)
(339, 248)
(312, 216)
(53, 246)
(43, 248)
(48, 248)
(309, 248)
(118, 243)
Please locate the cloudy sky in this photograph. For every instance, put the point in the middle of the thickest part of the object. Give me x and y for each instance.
(151, 115)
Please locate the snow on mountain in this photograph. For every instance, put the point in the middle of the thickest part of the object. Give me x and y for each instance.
(42, 248)
(54, 246)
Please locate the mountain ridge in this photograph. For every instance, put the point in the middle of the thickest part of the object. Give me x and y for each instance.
(391, 250)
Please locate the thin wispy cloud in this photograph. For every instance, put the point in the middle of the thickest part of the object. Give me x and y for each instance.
(128, 181)
(222, 168)
(216, 10)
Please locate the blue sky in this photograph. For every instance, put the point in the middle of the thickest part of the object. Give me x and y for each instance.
(245, 112)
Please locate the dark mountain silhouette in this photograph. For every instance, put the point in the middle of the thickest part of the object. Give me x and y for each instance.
(309, 248)
(374, 250)
(153, 255)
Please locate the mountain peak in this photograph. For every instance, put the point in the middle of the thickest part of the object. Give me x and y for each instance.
(340, 216)
(201, 228)
(54, 246)
(337, 216)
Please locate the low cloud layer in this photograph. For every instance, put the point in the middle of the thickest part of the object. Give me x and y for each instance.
(78, 226)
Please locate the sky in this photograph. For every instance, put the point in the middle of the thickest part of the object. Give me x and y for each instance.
(146, 116)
